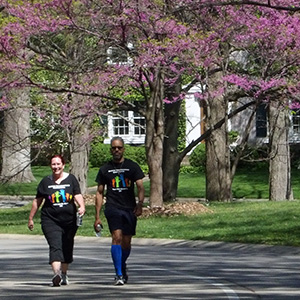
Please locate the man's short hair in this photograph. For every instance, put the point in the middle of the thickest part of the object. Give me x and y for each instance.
(117, 138)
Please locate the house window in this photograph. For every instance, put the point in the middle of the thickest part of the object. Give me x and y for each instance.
(121, 124)
(296, 121)
(261, 121)
(119, 55)
(139, 124)
(128, 123)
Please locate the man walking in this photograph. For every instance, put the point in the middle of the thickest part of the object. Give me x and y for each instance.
(121, 209)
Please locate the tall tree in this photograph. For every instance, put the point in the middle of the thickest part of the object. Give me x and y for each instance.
(280, 161)
(160, 48)
(16, 158)
(63, 56)
(251, 59)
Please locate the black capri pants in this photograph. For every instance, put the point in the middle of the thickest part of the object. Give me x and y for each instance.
(60, 240)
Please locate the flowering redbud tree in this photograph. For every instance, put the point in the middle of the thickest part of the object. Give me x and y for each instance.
(165, 44)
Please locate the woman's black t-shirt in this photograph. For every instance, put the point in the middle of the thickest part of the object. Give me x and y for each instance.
(119, 180)
(59, 202)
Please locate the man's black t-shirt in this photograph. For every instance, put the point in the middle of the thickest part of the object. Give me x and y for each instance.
(59, 202)
(119, 180)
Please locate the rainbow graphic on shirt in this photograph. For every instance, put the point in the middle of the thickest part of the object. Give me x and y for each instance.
(121, 182)
(60, 196)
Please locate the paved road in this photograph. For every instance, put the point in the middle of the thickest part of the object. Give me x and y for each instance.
(158, 269)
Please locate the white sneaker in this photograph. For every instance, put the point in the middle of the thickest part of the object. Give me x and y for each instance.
(64, 279)
(119, 280)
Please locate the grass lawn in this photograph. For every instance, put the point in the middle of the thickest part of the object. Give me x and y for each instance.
(39, 173)
(264, 222)
(247, 184)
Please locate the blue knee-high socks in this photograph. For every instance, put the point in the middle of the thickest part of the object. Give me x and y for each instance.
(125, 255)
(116, 254)
(119, 257)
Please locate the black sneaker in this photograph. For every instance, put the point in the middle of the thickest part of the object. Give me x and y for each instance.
(56, 280)
(119, 280)
(125, 275)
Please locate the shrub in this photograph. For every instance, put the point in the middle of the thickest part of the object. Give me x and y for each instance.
(295, 156)
(100, 154)
(198, 157)
(190, 170)
(136, 153)
(253, 157)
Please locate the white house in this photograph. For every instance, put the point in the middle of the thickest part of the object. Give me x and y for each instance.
(131, 126)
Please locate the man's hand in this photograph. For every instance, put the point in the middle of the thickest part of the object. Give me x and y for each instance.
(98, 221)
(30, 225)
(138, 209)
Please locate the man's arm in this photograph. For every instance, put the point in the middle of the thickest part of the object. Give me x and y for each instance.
(141, 196)
(98, 204)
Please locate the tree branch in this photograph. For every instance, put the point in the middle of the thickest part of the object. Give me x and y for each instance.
(214, 127)
(247, 2)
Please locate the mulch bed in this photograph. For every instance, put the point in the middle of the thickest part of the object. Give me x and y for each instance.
(171, 209)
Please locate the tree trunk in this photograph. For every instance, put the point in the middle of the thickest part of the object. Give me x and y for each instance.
(171, 156)
(171, 159)
(218, 179)
(79, 150)
(218, 184)
(16, 160)
(280, 162)
(154, 142)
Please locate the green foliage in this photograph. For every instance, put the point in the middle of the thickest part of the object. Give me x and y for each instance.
(233, 135)
(198, 157)
(136, 153)
(48, 137)
(190, 170)
(295, 156)
(100, 154)
(253, 157)
(182, 127)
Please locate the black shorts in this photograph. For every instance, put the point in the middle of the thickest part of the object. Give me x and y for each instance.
(118, 218)
(60, 240)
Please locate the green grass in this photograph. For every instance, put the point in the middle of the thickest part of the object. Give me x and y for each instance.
(247, 184)
(39, 172)
(264, 222)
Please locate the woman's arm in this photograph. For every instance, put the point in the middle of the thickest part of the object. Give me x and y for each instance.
(80, 202)
(36, 203)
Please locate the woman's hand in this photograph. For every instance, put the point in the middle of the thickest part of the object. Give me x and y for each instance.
(80, 202)
(81, 210)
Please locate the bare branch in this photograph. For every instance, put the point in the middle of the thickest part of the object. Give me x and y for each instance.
(214, 127)
(246, 2)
